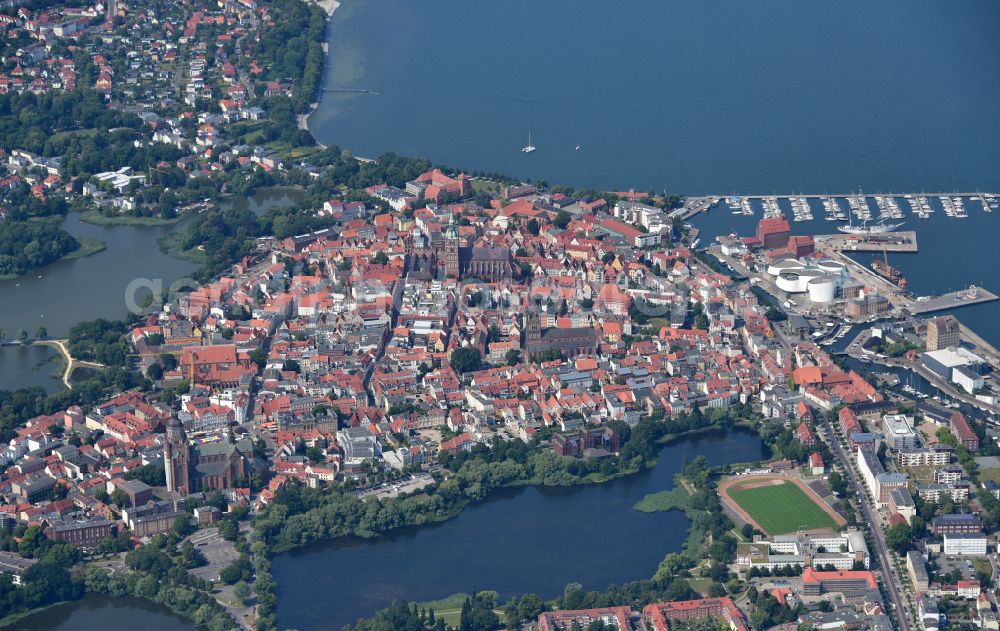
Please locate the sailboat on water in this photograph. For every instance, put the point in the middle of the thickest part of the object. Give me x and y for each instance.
(528, 148)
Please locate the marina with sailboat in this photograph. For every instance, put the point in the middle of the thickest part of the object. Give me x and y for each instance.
(863, 214)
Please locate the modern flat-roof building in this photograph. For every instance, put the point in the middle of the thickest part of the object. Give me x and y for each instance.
(923, 457)
(943, 362)
(917, 569)
(840, 550)
(965, 544)
(880, 484)
(899, 433)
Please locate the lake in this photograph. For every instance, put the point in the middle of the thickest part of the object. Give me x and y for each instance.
(694, 96)
(532, 539)
(66, 292)
(26, 366)
(97, 611)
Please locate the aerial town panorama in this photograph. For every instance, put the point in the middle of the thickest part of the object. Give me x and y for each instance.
(379, 394)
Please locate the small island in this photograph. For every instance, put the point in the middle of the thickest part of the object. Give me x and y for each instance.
(28, 245)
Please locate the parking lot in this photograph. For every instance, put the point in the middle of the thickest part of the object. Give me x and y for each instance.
(219, 553)
(392, 489)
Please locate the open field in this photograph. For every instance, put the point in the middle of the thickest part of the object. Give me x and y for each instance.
(777, 505)
(450, 608)
(989, 474)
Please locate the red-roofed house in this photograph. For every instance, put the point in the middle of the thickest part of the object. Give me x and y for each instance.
(965, 435)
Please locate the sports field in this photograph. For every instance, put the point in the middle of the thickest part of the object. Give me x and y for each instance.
(781, 508)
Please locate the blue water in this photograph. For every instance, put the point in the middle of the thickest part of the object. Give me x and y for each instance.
(517, 541)
(695, 96)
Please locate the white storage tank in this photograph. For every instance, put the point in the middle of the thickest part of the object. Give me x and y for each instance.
(784, 265)
(823, 289)
(796, 282)
(832, 267)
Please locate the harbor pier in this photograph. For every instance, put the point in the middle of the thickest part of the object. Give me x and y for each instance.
(952, 300)
(898, 241)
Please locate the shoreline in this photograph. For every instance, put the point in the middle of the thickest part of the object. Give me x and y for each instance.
(330, 8)
(88, 246)
(96, 218)
(662, 443)
(10, 620)
(693, 540)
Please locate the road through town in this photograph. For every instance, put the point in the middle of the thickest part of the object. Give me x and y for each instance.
(888, 573)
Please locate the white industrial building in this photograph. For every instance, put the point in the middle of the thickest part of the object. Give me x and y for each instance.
(958, 365)
(821, 280)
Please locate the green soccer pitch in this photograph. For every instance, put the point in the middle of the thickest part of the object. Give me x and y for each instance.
(782, 508)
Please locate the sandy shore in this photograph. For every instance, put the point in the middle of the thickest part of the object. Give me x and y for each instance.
(330, 6)
(304, 121)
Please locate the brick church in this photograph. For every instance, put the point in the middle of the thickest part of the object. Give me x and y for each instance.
(211, 463)
(445, 257)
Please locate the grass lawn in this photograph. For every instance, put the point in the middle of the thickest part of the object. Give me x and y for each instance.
(989, 474)
(658, 323)
(982, 566)
(700, 585)
(450, 608)
(923, 473)
(782, 508)
(489, 187)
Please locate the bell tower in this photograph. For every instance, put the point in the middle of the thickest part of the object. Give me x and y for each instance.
(451, 249)
(176, 458)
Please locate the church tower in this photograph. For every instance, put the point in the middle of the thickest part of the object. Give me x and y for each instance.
(451, 249)
(176, 458)
(532, 333)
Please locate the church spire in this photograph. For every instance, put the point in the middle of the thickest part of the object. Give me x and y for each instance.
(451, 232)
